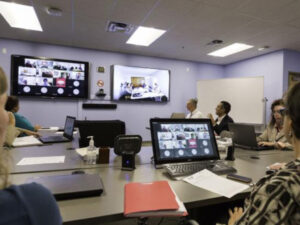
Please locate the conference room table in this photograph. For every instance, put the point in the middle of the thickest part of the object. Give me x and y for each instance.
(109, 206)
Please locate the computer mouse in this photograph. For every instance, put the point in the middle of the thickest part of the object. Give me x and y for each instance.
(78, 172)
(254, 157)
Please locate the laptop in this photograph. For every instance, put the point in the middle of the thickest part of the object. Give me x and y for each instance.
(245, 137)
(180, 143)
(178, 116)
(71, 186)
(67, 135)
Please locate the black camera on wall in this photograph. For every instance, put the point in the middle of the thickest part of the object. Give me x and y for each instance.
(127, 146)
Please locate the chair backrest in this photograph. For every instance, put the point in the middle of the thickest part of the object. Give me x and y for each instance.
(104, 131)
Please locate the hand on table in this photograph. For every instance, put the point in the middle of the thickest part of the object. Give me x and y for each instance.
(234, 215)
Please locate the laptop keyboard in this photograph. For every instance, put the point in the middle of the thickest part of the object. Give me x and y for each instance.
(53, 138)
(183, 169)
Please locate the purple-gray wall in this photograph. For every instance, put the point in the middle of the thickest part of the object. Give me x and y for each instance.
(270, 66)
(291, 64)
(49, 112)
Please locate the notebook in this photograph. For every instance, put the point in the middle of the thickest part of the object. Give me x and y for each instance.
(245, 137)
(71, 186)
(67, 135)
(152, 199)
(179, 143)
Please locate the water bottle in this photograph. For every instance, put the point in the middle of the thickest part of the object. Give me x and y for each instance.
(91, 152)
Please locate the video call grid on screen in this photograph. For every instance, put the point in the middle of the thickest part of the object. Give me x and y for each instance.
(183, 141)
(50, 77)
(140, 84)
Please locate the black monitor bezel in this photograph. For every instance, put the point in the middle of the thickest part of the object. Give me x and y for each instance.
(14, 78)
(158, 161)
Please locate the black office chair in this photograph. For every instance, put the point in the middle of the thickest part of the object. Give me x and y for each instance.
(104, 131)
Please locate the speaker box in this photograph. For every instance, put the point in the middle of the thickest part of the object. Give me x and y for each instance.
(98, 106)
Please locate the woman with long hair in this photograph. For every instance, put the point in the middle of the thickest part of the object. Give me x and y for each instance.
(23, 204)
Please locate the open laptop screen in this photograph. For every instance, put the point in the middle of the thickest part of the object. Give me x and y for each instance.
(183, 140)
(69, 127)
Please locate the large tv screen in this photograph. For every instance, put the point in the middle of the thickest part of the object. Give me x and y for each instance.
(140, 84)
(36, 76)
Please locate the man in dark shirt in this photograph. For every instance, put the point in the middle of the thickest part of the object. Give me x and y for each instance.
(221, 123)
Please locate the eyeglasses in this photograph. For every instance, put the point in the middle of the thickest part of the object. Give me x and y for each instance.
(282, 111)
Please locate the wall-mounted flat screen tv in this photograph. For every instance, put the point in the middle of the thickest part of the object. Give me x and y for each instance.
(140, 84)
(36, 76)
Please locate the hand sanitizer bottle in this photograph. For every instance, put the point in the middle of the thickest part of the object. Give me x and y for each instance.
(91, 152)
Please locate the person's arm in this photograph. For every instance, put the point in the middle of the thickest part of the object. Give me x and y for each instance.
(28, 132)
(263, 136)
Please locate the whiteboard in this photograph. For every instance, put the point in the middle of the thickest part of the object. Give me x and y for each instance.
(245, 95)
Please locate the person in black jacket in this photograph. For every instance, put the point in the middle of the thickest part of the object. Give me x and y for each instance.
(221, 123)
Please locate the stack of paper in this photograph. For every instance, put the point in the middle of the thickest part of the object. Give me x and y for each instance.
(26, 141)
(214, 183)
(41, 160)
(152, 199)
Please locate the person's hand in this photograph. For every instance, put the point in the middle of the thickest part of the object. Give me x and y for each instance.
(234, 215)
(11, 119)
(210, 116)
(280, 145)
(266, 143)
(276, 166)
(31, 133)
(37, 127)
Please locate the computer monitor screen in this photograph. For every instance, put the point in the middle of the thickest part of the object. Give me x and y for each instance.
(182, 140)
(134, 84)
(35, 76)
(69, 127)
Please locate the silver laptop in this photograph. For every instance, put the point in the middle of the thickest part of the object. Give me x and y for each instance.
(67, 135)
(71, 186)
(244, 137)
(181, 143)
(178, 116)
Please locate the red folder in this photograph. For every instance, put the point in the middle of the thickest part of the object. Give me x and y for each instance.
(147, 197)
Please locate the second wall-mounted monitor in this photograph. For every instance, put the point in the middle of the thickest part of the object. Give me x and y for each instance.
(137, 84)
(45, 77)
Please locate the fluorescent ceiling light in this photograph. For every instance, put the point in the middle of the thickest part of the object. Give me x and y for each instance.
(230, 49)
(145, 36)
(20, 16)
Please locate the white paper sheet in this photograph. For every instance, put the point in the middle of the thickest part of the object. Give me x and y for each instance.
(41, 160)
(26, 141)
(214, 183)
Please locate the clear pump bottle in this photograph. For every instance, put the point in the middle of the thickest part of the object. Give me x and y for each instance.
(91, 152)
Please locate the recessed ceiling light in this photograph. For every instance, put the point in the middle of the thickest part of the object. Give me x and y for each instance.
(230, 49)
(144, 36)
(20, 16)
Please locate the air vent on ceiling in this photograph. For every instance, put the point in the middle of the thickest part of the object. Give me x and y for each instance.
(215, 42)
(119, 27)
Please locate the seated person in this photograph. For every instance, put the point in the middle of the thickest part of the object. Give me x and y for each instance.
(12, 131)
(22, 204)
(221, 123)
(191, 106)
(274, 135)
(276, 198)
(12, 105)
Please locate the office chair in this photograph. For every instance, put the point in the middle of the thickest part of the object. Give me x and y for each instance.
(104, 131)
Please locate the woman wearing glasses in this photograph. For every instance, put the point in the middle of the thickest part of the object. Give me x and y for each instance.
(274, 135)
(276, 197)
